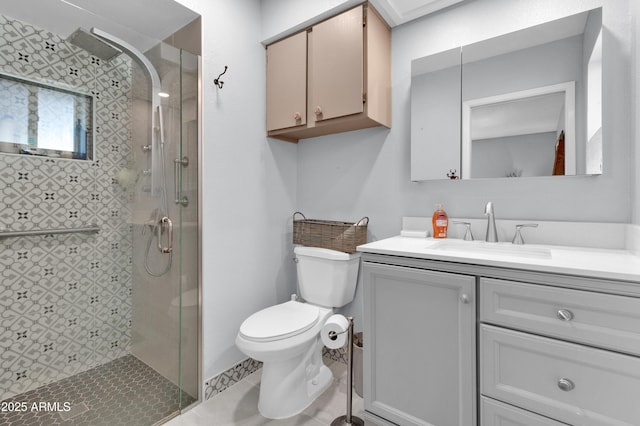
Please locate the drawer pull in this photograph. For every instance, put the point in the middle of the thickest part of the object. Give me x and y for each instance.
(565, 315)
(464, 298)
(566, 384)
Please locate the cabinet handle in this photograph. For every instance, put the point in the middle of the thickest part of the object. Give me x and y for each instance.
(464, 298)
(566, 384)
(318, 110)
(297, 116)
(565, 315)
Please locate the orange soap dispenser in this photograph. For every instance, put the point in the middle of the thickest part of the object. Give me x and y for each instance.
(440, 222)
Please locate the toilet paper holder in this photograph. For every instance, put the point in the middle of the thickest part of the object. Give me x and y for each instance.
(333, 335)
(347, 419)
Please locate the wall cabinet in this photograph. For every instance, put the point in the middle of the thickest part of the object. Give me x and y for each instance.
(419, 352)
(333, 77)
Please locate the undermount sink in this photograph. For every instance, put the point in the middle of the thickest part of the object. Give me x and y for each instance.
(483, 248)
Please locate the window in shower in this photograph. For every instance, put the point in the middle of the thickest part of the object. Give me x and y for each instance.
(37, 119)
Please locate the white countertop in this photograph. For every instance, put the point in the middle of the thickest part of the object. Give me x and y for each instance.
(580, 261)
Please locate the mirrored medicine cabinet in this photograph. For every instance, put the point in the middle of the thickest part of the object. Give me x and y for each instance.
(44, 120)
(524, 104)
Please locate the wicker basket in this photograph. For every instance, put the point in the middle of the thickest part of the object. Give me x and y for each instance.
(334, 235)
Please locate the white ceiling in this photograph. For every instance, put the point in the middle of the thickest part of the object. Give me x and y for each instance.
(141, 23)
(397, 12)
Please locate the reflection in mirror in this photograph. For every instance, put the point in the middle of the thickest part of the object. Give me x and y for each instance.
(519, 134)
(39, 119)
(530, 105)
(435, 116)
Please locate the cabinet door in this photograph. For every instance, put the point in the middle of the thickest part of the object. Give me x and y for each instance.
(287, 82)
(336, 71)
(419, 351)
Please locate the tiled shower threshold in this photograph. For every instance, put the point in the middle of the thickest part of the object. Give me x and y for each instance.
(125, 392)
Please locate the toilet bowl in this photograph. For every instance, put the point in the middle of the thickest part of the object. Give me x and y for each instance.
(286, 337)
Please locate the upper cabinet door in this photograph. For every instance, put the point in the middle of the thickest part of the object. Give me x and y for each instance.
(336, 70)
(287, 82)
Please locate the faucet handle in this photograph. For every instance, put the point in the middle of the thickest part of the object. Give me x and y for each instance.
(468, 236)
(517, 239)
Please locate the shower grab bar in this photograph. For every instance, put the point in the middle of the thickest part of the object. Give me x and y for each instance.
(179, 198)
(93, 229)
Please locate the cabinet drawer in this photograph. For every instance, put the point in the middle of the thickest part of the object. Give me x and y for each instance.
(596, 319)
(496, 413)
(564, 381)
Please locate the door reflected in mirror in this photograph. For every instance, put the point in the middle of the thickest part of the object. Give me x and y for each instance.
(524, 104)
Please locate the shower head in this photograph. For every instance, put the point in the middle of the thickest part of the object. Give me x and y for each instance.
(96, 46)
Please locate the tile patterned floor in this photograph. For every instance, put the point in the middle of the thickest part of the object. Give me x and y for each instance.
(122, 392)
(238, 405)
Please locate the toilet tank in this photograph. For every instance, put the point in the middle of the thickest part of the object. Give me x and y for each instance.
(327, 277)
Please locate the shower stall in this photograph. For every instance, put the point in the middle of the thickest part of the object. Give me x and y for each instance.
(99, 246)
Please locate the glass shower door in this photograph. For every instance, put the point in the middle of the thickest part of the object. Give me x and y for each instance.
(187, 166)
(165, 331)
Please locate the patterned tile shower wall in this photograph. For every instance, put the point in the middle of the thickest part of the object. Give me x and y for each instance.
(65, 303)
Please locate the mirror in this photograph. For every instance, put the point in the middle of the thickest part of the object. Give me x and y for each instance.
(39, 119)
(524, 104)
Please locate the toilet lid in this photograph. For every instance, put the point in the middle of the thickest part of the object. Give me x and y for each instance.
(280, 321)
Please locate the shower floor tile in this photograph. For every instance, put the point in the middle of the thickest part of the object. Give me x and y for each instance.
(122, 392)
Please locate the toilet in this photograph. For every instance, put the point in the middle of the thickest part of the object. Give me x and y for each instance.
(286, 337)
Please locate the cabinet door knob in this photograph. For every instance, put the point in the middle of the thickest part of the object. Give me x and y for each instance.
(318, 110)
(464, 298)
(566, 384)
(297, 116)
(565, 315)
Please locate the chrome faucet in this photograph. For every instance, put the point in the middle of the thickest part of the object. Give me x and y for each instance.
(492, 233)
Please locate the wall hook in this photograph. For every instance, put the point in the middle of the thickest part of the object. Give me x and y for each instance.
(219, 82)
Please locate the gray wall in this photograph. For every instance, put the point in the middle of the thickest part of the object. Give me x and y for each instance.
(635, 105)
(249, 183)
(253, 184)
(366, 172)
(530, 155)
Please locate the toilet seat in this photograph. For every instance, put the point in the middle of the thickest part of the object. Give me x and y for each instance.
(280, 322)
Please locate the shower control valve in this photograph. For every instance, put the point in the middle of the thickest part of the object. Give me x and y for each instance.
(146, 148)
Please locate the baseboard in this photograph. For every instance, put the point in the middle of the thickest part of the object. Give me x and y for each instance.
(230, 377)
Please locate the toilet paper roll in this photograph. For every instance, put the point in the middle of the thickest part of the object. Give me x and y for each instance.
(337, 324)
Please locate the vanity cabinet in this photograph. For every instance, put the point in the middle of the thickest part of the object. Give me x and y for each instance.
(552, 348)
(332, 77)
(419, 355)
